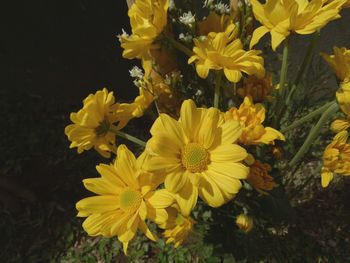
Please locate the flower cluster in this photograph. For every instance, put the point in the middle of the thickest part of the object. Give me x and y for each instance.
(201, 151)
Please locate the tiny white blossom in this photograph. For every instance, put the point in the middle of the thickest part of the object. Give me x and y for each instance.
(124, 34)
(187, 19)
(222, 8)
(185, 38)
(208, 3)
(136, 72)
(199, 93)
(171, 5)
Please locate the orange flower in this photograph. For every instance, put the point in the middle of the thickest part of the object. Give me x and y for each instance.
(259, 177)
(258, 88)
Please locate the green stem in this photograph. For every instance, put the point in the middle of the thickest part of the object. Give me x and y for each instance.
(281, 91)
(179, 46)
(284, 68)
(333, 107)
(304, 66)
(307, 117)
(127, 136)
(217, 89)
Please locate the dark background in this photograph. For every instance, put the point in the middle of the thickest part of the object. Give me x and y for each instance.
(52, 55)
(55, 48)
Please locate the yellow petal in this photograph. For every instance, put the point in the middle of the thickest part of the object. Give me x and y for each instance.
(210, 192)
(326, 177)
(235, 170)
(161, 199)
(257, 34)
(187, 198)
(98, 204)
(144, 228)
(227, 184)
(175, 180)
(228, 152)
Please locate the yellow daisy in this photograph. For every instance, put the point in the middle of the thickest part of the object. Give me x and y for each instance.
(91, 125)
(122, 202)
(339, 62)
(251, 116)
(148, 19)
(336, 158)
(224, 51)
(197, 156)
(281, 18)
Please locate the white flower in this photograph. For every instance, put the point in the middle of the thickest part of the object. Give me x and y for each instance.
(124, 34)
(187, 19)
(171, 5)
(222, 8)
(186, 38)
(136, 72)
(208, 3)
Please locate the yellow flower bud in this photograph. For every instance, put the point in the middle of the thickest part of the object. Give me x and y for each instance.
(244, 223)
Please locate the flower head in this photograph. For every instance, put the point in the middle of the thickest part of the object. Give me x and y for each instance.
(187, 19)
(224, 51)
(336, 158)
(259, 89)
(281, 18)
(339, 62)
(244, 223)
(251, 116)
(198, 156)
(91, 124)
(177, 227)
(122, 204)
(259, 177)
(148, 19)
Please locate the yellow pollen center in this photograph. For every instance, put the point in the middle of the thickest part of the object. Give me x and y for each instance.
(130, 200)
(195, 157)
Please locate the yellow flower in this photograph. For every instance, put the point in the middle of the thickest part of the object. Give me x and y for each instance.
(259, 89)
(177, 228)
(347, 4)
(244, 223)
(251, 117)
(343, 97)
(336, 158)
(198, 156)
(281, 18)
(148, 19)
(224, 50)
(122, 202)
(259, 177)
(339, 62)
(92, 123)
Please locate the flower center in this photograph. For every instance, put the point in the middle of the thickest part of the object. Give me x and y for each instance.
(195, 157)
(103, 128)
(130, 200)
